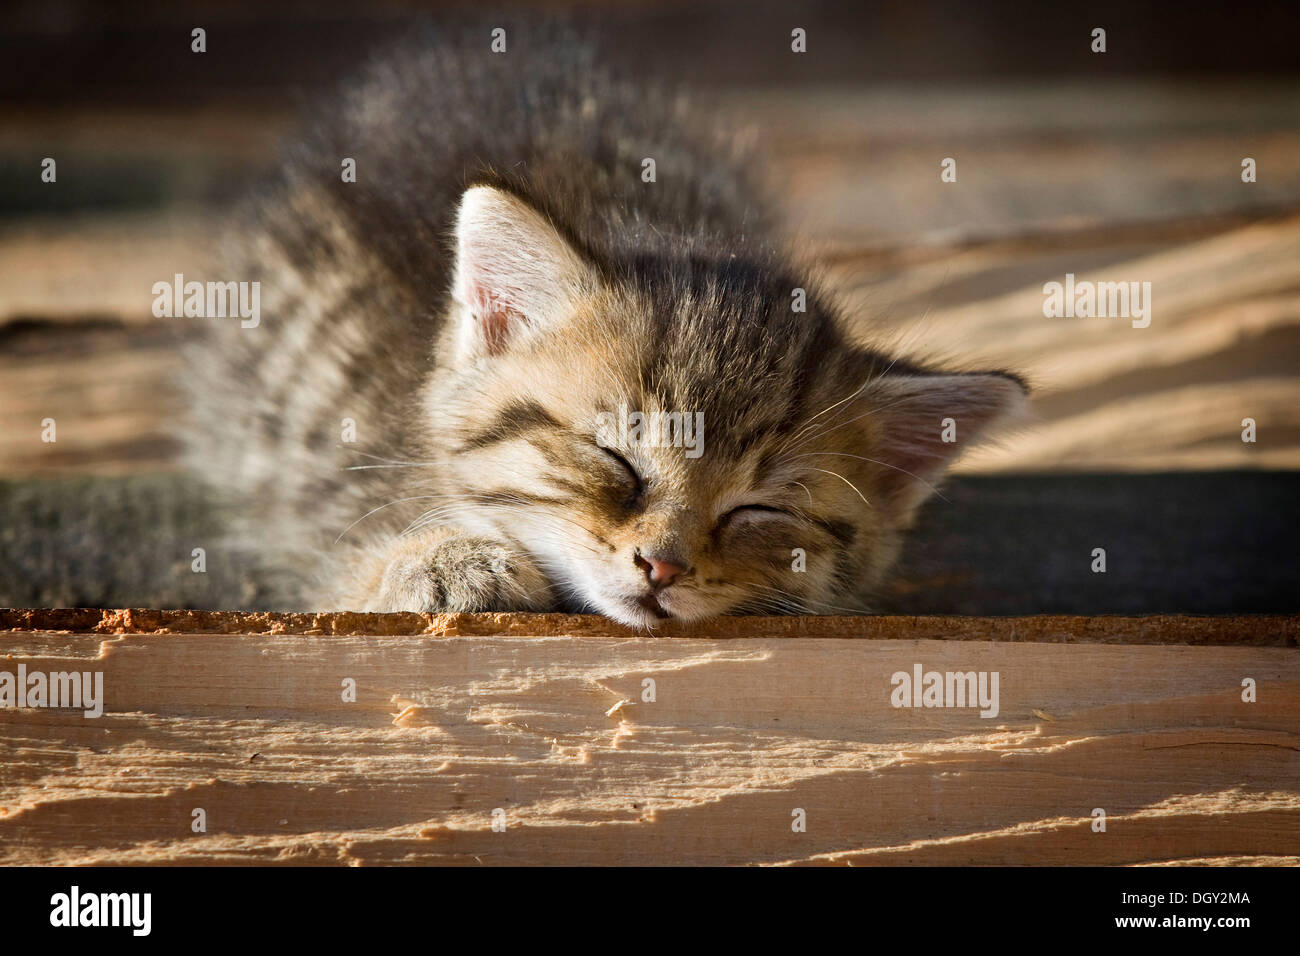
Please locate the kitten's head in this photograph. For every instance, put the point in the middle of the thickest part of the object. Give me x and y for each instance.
(668, 437)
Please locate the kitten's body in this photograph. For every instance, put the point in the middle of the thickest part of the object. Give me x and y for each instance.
(475, 338)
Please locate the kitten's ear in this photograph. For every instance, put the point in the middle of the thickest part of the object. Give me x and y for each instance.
(922, 422)
(515, 273)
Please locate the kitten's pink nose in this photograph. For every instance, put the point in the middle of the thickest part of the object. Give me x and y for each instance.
(658, 571)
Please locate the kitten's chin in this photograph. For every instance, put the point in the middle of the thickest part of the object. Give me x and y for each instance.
(648, 611)
(633, 615)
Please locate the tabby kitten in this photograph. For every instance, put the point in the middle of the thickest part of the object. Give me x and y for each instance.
(489, 304)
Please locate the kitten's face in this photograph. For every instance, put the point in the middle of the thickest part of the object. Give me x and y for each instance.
(680, 444)
(644, 517)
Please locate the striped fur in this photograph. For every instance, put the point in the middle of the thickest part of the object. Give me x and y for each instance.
(476, 482)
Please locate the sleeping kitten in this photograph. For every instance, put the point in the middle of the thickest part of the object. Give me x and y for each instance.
(494, 304)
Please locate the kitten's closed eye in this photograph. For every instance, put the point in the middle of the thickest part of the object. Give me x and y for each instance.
(634, 481)
(753, 514)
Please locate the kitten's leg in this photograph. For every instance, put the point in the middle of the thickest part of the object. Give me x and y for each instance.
(446, 571)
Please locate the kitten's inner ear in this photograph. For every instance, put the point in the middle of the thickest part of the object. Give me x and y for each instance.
(923, 422)
(515, 274)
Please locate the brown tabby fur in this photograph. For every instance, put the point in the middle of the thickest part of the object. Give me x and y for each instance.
(497, 278)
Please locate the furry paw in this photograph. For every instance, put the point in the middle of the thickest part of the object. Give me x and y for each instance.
(460, 573)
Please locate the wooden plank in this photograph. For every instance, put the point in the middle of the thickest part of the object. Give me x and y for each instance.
(548, 723)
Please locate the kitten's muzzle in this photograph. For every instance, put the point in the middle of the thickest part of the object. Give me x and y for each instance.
(660, 571)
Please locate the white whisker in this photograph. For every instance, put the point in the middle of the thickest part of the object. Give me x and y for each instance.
(847, 482)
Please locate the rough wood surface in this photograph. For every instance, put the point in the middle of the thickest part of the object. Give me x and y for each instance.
(1276, 630)
(546, 722)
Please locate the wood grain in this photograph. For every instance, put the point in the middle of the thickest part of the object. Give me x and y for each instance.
(546, 722)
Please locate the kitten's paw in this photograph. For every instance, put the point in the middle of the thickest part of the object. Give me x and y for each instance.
(460, 573)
